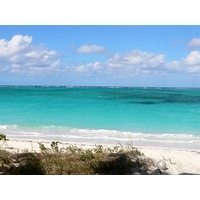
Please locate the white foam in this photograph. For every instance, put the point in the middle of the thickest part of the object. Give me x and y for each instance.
(102, 136)
(3, 127)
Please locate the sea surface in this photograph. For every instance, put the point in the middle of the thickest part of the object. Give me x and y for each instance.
(167, 117)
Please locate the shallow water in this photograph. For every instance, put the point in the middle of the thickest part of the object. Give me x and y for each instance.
(144, 116)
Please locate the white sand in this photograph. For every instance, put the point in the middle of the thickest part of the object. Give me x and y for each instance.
(178, 161)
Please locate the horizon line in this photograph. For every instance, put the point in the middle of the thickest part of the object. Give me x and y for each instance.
(97, 86)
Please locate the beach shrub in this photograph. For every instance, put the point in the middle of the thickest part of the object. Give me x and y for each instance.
(117, 160)
(54, 146)
(27, 164)
(42, 147)
(3, 140)
(3, 137)
(74, 160)
(5, 161)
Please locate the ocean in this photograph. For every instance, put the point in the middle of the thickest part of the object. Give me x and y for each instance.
(167, 117)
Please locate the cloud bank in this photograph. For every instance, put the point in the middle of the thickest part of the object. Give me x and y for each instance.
(19, 56)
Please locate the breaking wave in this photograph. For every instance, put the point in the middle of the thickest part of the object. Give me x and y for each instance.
(101, 136)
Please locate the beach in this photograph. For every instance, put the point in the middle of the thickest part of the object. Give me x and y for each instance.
(178, 161)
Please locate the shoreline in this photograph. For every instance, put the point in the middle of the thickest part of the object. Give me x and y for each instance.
(103, 136)
(178, 160)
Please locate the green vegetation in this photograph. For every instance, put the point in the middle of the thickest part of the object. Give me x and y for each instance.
(74, 160)
(3, 140)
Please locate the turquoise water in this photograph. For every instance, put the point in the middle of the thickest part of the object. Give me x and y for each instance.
(144, 116)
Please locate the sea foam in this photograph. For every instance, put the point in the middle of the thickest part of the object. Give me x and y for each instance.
(101, 136)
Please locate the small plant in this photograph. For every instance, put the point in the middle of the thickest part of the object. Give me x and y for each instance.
(98, 149)
(54, 146)
(134, 151)
(3, 137)
(3, 140)
(73, 149)
(42, 147)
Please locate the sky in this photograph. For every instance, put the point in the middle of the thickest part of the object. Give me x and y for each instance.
(100, 55)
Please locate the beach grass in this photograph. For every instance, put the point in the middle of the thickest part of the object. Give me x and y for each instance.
(75, 160)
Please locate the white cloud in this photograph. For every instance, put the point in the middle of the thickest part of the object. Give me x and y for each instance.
(192, 59)
(21, 57)
(195, 42)
(136, 60)
(194, 69)
(17, 44)
(173, 66)
(90, 49)
(119, 65)
(138, 63)
(191, 63)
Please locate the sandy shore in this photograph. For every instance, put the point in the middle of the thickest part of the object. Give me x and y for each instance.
(178, 161)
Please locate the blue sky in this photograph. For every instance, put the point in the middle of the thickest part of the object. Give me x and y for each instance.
(100, 55)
